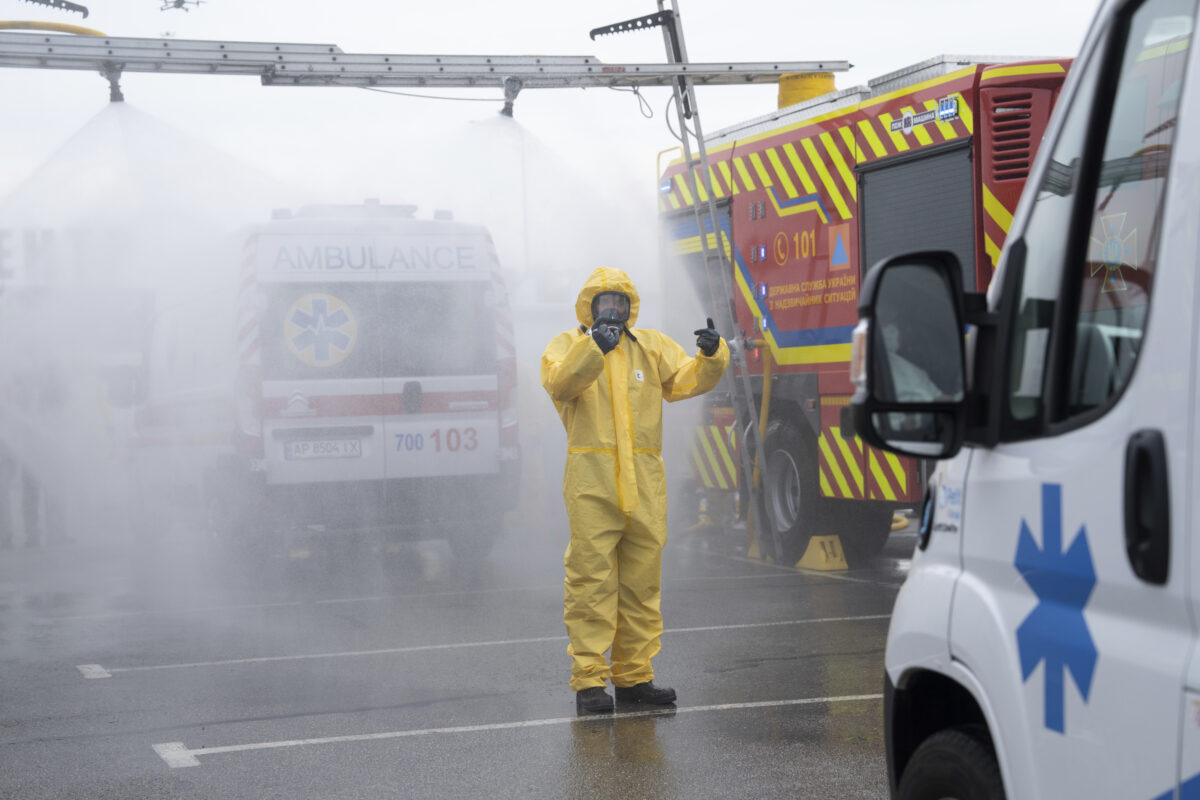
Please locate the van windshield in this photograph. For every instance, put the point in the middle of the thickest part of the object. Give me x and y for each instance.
(393, 329)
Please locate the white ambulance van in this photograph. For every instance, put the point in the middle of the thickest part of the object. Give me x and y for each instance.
(1044, 644)
(360, 375)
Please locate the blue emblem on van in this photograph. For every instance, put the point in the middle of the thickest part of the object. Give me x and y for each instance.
(1055, 632)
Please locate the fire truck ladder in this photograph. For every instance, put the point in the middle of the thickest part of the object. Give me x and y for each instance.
(718, 271)
(281, 64)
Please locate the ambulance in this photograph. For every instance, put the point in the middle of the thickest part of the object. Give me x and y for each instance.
(1044, 644)
(357, 374)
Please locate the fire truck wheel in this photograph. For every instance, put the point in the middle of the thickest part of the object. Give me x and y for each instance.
(955, 764)
(864, 529)
(790, 491)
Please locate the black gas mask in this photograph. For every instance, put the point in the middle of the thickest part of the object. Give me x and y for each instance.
(610, 312)
(611, 308)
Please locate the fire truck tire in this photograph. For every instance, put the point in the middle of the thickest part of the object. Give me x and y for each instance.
(864, 530)
(791, 493)
(954, 764)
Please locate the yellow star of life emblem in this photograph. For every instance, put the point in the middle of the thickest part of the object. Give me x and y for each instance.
(1113, 252)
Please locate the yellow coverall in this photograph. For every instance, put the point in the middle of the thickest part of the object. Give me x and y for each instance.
(614, 484)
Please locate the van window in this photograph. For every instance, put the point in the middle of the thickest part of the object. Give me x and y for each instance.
(437, 328)
(1099, 222)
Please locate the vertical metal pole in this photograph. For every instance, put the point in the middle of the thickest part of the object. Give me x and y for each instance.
(721, 281)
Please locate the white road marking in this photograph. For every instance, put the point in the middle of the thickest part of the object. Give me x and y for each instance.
(93, 671)
(96, 668)
(176, 754)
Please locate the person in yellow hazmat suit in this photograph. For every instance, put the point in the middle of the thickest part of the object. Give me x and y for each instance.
(608, 382)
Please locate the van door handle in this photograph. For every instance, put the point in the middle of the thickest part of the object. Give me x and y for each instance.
(1147, 506)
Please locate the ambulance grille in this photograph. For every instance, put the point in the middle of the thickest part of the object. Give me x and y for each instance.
(1012, 123)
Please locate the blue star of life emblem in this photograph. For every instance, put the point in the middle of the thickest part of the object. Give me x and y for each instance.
(320, 330)
(1055, 632)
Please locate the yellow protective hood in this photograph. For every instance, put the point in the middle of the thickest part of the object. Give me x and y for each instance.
(605, 279)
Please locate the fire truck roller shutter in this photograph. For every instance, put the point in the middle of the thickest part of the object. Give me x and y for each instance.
(920, 202)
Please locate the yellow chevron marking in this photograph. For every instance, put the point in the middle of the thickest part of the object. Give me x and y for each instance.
(781, 173)
(725, 173)
(898, 471)
(698, 465)
(827, 179)
(764, 178)
(918, 131)
(881, 479)
(848, 137)
(684, 191)
(811, 205)
(691, 244)
(946, 128)
(700, 190)
(868, 131)
(712, 462)
(851, 461)
(897, 137)
(1024, 69)
(826, 489)
(726, 456)
(996, 210)
(993, 250)
(716, 184)
(964, 113)
(797, 164)
(831, 462)
(743, 173)
(840, 162)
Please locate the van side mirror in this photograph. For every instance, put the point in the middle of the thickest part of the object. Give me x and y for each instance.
(908, 357)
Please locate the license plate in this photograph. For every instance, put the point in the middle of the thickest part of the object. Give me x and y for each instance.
(300, 449)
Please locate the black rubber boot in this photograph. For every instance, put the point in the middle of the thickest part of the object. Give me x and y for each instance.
(593, 700)
(646, 693)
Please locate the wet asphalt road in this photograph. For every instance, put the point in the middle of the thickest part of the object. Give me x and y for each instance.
(349, 672)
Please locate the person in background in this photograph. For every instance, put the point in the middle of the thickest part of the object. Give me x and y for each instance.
(608, 382)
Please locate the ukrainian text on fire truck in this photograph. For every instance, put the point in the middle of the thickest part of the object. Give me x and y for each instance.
(822, 291)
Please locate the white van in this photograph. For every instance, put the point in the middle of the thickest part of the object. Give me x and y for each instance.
(359, 373)
(1045, 642)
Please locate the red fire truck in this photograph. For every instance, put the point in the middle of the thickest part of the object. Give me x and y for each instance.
(810, 196)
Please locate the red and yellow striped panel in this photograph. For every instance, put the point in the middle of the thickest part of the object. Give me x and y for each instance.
(712, 456)
(852, 471)
(809, 165)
